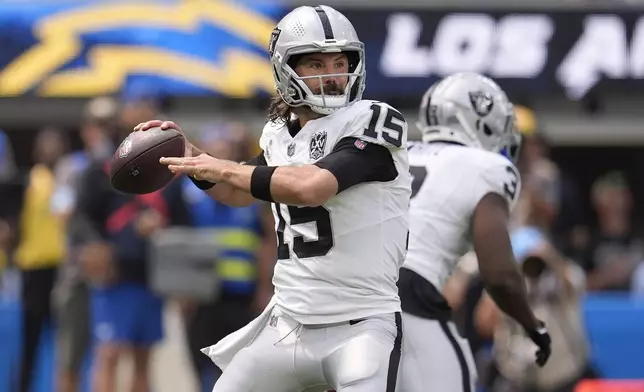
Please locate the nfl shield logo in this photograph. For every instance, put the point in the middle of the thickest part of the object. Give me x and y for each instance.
(126, 147)
(290, 150)
(481, 102)
(316, 147)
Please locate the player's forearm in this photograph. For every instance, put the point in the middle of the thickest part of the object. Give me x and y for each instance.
(223, 192)
(288, 185)
(510, 295)
(502, 279)
(497, 264)
(298, 186)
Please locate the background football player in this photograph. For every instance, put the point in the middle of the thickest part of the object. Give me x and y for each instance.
(335, 168)
(462, 192)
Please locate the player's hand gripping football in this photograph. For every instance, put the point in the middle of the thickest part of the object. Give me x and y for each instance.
(165, 125)
(541, 338)
(202, 167)
(194, 163)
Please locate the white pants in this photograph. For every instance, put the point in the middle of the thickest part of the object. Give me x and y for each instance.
(434, 358)
(286, 356)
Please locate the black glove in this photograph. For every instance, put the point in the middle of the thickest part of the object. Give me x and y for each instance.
(541, 338)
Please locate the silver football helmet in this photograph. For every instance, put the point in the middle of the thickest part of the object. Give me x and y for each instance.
(319, 29)
(469, 109)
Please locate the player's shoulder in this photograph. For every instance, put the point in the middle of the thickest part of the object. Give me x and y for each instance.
(271, 129)
(476, 160)
(364, 108)
(493, 173)
(375, 122)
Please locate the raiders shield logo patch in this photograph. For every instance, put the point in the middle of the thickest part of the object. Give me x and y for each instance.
(317, 145)
(273, 40)
(481, 102)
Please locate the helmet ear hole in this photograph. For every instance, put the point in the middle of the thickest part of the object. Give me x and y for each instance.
(482, 126)
(293, 60)
(353, 58)
(298, 93)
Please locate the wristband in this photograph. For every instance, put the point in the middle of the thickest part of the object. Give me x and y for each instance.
(260, 182)
(202, 184)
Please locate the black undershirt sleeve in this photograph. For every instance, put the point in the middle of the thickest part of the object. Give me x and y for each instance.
(354, 162)
(258, 160)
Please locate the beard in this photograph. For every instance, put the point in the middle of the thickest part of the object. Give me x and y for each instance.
(330, 89)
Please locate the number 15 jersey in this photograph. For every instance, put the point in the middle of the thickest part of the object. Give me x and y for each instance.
(340, 261)
(448, 182)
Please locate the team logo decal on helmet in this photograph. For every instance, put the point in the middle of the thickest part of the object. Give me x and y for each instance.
(482, 102)
(273, 40)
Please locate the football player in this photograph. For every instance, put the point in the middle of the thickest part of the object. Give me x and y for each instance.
(464, 186)
(335, 168)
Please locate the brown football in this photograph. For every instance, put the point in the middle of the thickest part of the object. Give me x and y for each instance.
(135, 166)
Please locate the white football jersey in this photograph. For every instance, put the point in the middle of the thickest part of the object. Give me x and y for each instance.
(340, 261)
(448, 182)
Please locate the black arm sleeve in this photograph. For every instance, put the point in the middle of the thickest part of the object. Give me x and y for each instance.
(259, 160)
(354, 161)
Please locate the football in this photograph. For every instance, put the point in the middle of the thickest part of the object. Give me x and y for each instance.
(135, 166)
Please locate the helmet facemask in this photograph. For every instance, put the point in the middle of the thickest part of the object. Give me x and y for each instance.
(512, 150)
(296, 93)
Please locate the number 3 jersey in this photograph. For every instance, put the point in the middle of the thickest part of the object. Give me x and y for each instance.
(340, 261)
(448, 182)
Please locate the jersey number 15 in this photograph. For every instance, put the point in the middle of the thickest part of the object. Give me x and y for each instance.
(390, 132)
(301, 215)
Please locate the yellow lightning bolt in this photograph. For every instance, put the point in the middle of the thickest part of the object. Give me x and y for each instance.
(59, 34)
(238, 75)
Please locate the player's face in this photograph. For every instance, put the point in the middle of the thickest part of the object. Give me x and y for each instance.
(316, 64)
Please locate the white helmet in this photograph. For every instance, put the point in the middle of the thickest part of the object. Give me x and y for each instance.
(469, 109)
(319, 29)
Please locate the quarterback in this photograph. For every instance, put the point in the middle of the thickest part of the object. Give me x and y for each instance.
(335, 168)
(462, 192)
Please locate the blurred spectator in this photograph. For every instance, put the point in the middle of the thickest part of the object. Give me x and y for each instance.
(569, 235)
(126, 315)
(245, 260)
(615, 247)
(41, 247)
(8, 168)
(8, 188)
(71, 292)
(555, 289)
(637, 282)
